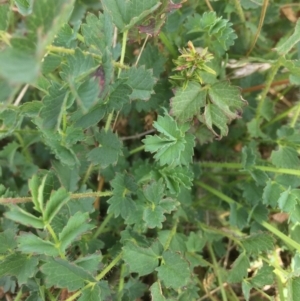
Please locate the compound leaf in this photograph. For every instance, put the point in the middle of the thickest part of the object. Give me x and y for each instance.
(168, 272)
(142, 260)
(63, 274)
(125, 14)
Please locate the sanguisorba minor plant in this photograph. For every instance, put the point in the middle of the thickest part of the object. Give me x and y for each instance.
(131, 165)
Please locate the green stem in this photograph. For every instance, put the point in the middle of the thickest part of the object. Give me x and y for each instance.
(109, 267)
(18, 200)
(87, 174)
(217, 271)
(121, 282)
(19, 295)
(265, 224)
(270, 79)
(217, 193)
(296, 116)
(136, 150)
(280, 235)
(56, 240)
(172, 233)
(168, 44)
(103, 225)
(122, 58)
(229, 165)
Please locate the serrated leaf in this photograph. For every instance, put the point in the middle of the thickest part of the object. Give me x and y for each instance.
(168, 271)
(257, 243)
(156, 292)
(271, 193)
(153, 59)
(294, 287)
(246, 288)
(288, 200)
(264, 276)
(285, 157)
(140, 80)
(76, 226)
(119, 95)
(285, 47)
(68, 177)
(23, 217)
(90, 118)
(53, 106)
(142, 260)
(63, 274)
(31, 244)
(18, 66)
(77, 65)
(91, 294)
(33, 185)
(7, 243)
(88, 94)
(187, 101)
(98, 32)
(108, 151)
(125, 14)
(91, 262)
(239, 269)
(157, 205)
(57, 199)
(50, 63)
(19, 265)
(171, 147)
(121, 202)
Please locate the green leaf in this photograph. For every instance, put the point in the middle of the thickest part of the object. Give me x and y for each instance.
(257, 243)
(91, 294)
(23, 217)
(216, 32)
(126, 14)
(91, 262)
(119, 95)
(168, 271)
(153, 59)
(140, 80)
(57, 199)
(53, 106)
(90, 118)
(24, 6)
(18, 66)
(173, 146)
(29, 243)
(88, 94)
(98, 32)
(187, 101)
(142, 260)
(108, 151)
(264, 276)
(271, 193)
(156, 292)
(285, 47)
(4, 16)
(294, 288)
(121, 202)
(239, 269)
(63, 274)
(246, 288)
(285, 157)
(76, 226)
(68, 176)
(33, 185)
(7, 244)
(157, 205)
(76, 66)
(288, 200)
(19, 265)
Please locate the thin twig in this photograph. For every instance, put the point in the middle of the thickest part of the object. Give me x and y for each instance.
(209, 5)
(260, 24)
(212, 292)
(137, 136)
(142, 49)
(21, 95)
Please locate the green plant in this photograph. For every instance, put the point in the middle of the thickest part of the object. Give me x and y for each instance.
(136, 170)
